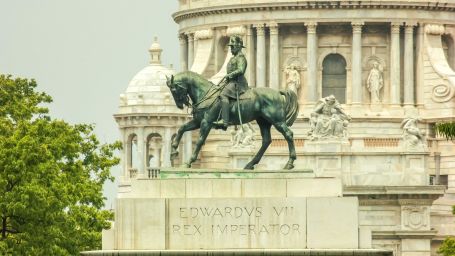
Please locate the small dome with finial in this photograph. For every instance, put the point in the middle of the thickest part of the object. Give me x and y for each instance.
(155, 52)
(147, 91)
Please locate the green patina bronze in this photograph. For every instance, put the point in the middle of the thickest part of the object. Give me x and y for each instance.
(215, 107)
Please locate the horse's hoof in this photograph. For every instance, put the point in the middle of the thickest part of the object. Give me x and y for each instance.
(249, 167)
(288, 166)
(187, 165)
(174, 154)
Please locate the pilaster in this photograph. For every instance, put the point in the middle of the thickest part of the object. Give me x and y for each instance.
(395, 63)
(260, 56)
(312, 50)
(357, 62)
(274, 66)
(408, 69)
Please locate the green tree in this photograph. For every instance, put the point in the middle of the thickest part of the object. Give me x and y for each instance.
(51, 177)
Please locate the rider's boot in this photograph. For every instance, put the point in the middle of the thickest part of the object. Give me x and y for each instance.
(223, 123)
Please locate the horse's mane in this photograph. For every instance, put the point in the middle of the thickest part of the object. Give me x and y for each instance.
(188, 77)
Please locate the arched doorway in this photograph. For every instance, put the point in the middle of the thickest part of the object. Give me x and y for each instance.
(334, 77)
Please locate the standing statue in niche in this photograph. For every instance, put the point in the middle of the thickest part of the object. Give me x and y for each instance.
(293, 78)
(412, 136)
(328, 120)
(375, 82)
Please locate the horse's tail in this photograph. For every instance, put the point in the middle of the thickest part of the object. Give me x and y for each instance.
(292, 106)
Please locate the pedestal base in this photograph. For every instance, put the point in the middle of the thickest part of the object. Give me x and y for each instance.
(307, 252)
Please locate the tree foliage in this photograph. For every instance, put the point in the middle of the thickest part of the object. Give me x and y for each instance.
(51, 177)
(446, 129)
(448, 246)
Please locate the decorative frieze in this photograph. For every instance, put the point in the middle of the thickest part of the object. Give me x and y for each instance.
(203, 34)
(238, 30)
(434, 29)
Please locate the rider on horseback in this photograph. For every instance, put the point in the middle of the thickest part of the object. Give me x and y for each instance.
(235, 80)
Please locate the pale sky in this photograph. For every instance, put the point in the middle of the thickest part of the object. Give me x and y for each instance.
(84, 52)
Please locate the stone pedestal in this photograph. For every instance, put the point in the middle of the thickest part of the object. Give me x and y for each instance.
(200, 210)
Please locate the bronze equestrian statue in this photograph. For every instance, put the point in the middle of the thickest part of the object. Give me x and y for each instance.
(235, 79)
(212, 106)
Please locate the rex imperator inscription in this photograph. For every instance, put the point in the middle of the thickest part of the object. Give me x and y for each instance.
(248, 222)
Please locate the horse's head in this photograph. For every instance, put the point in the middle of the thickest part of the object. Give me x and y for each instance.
(179, 91)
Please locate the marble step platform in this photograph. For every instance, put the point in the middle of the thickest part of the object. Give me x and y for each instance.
(306, 252)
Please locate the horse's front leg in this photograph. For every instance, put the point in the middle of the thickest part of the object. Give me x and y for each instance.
(191, 125)
(203, 133)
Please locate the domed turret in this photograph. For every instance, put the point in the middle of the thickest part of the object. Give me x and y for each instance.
(148, 119)
(148, 88)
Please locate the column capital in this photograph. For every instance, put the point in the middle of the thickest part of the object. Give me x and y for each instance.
(190, 36)
(311, 26)
(357, 26)
(238, 30)
(409, 27)
(260, 29)
(273, 27)
(395, 26)
(182, 37)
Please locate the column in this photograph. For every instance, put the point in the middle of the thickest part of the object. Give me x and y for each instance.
(166, 148)
(126, 153)
(419, 45)
(274, 67)
(408, 69)
(312, 62)
(395, 63)
(141, 153)
(188, 146)
(357, 62)
(250, 74)
(260, 56)
(190, 50)
(183, 52)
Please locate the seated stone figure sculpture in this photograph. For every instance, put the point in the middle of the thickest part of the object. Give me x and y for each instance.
(328, 120)
(413, 138)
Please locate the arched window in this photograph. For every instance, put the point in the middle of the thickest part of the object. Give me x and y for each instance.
(154, 148)
(334, 77)
(449, 50)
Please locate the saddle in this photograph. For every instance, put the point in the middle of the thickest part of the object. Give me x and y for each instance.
(246, 95)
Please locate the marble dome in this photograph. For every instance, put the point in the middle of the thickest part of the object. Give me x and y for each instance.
(148, 87)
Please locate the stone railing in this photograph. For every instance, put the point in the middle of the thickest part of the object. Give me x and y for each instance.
(380, 142)
(153, 172)
(132, 172)
(278, 143)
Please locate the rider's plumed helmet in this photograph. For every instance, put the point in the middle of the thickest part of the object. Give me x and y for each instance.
(236, 41)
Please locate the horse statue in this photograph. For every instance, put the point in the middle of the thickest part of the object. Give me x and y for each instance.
(267, 106)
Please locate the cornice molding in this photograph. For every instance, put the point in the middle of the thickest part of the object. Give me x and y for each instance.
(236, 8)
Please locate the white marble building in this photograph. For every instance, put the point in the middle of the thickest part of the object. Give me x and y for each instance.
(390, 64)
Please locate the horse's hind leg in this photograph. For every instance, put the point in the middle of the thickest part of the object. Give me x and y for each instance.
(203, 133)
(289, 136)
(266, 140)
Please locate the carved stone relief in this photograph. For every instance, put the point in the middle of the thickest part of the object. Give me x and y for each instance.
(415, 217)
(413, 138)
(243, 137)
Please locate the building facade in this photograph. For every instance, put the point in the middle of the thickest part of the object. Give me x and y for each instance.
(390, 65)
